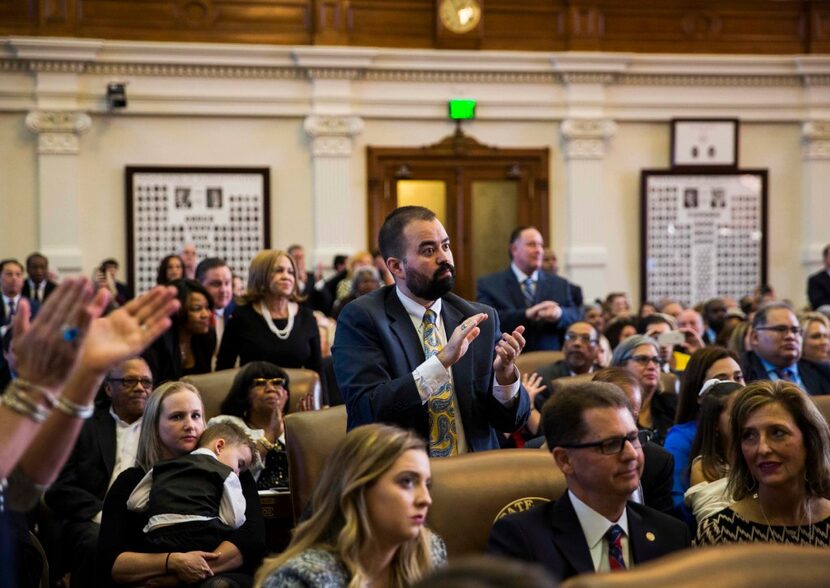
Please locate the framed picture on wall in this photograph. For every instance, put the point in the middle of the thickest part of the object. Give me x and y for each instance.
(703, 235)
(704, 143)
(224, 211)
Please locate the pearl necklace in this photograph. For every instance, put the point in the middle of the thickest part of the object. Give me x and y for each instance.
(281, 333)
(806, 514)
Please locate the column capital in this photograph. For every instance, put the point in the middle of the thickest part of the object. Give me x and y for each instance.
(815, 139)
(586, 138)
(57, 130)
(332, 135)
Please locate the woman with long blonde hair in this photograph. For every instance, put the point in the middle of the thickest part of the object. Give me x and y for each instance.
(367, 526)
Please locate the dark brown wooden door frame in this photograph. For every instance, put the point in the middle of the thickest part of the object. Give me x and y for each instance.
(459, 160)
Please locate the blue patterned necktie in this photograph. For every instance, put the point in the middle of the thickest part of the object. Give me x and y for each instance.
(615, 555)
(527, 291)
(443, 438)
(785, 374)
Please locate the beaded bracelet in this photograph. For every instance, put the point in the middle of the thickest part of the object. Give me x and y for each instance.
(27, 387)
(73, 409)
(24, 405)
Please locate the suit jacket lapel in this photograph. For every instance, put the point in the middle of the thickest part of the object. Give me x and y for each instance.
(401, 325)
(569, 537)
(514, 289)
(462, 371)
(643, 540)
(105, 425)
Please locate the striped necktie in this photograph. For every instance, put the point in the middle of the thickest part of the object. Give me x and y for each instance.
(615, 554)
(443, 438)
(528, 291)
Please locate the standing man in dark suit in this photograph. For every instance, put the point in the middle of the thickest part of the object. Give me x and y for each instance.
(106, 446)
(818, 284)
(593, 527)
(11, 291)
(525, 295)
(214, 274)
(776, 340)
(37, 285)
(417, 356)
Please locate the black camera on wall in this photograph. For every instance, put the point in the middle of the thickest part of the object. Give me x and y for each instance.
(117, 95)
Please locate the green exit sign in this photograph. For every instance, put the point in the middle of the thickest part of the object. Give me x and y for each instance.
(462, 109)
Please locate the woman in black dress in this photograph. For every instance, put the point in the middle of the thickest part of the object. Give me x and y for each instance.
(268, 323)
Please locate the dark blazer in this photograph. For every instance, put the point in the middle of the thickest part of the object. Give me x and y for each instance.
(48, 289)
(316, 299)
(576, 294)
(818, 289)
(815, 376)
(657, 478)
(376, 348)
(78, 493)
(503, 292)
(550, 534)
(34, 306)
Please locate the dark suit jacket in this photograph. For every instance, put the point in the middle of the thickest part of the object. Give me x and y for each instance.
(818, 289)
(376, 348)
(657, 478)
(78, 493)
(34, 306)
(48, 289)
(550, 534)
(316, 299)
(815, 376)
(503, 292)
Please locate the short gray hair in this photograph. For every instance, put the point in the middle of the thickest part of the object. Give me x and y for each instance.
(625, 349)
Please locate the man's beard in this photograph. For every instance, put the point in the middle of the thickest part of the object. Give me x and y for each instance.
(430, 288)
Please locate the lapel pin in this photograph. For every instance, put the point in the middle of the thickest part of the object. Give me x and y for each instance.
(650, 536)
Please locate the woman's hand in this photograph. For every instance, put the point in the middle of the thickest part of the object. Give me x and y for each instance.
(47, 347)
(192, 566)
(307, 402)
(129, 330)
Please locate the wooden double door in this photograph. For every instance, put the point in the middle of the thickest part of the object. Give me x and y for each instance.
(479, 193)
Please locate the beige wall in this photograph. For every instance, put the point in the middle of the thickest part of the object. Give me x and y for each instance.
(19, 236)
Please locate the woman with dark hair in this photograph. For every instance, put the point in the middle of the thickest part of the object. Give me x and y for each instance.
(171, 268)
(707, 473)
(187, 346)
(705, 364)
(779, 476)
(367, 523)
(619, 329)
(269, 324)
(258, 403)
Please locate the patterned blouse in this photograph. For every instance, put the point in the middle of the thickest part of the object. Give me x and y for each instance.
(317, 568)
(727, 526)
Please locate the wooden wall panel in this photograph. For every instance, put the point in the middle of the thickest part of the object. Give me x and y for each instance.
(662, 26)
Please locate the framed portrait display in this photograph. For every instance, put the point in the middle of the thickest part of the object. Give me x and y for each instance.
(704, 143)
(703, 235)
(224, 212)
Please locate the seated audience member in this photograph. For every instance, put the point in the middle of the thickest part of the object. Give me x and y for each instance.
(37, 285)
(525, 295)
(617, 305)
(690, 322)
(714, 315)
(107, 277)
(171, 268)
(709, 363)
(106, 447)
(190, 259)
(171, 429)
(640, 355)
(580, 349)
(619, 329)
(595, 317)
(11, 288)
(238, 286)
(816, 329)
(310, 285)
(655, 325)
(187, 346)
(593, 527)
(670, 307)
(60, 368)
(646, 310)
(706, 494)
(366, 279)
(776, 351)
(739, 339)
(195, 501)
(269, 324)
(367, 522)
(215, 275)
(358, 260)
(658, 464)
(258, 402)
(780, 474)
(340, 267)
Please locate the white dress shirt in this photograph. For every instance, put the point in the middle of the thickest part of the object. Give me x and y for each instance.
(594, 527)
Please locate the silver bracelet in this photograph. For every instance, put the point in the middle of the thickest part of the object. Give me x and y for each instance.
(26, 386)
(30, 410)
(73, 409)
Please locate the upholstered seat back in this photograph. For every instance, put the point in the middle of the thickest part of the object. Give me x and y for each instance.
(470, 492)
(214, 388)
(531, 361)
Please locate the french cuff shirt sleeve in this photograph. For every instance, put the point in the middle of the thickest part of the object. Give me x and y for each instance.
(507, 394)
(429, 377)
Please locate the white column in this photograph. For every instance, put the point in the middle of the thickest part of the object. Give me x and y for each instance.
(58, 185)
(335, 204)
(815, 139)
(584, 142)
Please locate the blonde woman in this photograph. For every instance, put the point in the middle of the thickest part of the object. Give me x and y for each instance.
(269, 324)
(816, 345)
(367, 526)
